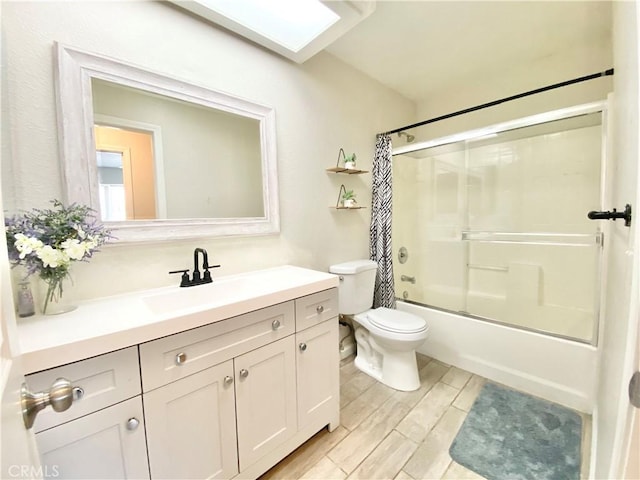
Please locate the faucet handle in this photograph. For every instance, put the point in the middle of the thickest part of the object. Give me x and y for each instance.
(207, 273)
(184, 282)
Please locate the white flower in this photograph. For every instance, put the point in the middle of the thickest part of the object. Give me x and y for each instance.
(51, 257)
(74, 249)
(80, 231)
(26, 245)
(91, 243)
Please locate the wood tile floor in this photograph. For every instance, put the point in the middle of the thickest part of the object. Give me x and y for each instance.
(387, 434)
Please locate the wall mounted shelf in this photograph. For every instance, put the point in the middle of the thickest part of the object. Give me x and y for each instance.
(339, 205)
(348, 171)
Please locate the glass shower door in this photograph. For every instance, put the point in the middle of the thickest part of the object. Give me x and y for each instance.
(496, 227)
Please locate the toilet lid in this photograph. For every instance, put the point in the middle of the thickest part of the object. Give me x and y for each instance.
(396, 321)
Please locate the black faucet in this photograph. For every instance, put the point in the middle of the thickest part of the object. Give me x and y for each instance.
(196, 279)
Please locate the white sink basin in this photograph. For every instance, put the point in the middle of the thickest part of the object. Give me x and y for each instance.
(200, 297)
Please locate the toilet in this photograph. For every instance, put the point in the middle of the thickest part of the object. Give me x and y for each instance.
(386, 338)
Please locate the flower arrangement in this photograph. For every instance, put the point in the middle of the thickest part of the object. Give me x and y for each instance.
(47, 241)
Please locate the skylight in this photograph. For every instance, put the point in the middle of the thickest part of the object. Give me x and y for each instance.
(295, 29)
(290, 23)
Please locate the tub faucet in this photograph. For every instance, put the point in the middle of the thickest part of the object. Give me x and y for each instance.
(196, 279)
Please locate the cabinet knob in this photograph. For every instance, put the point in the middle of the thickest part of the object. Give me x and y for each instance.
(228, 380)
(303, 347)
(59, 396)
(319, 309)
(181, 358)
(132, 423)
(77, 392)
(244, 373)
(275, 325)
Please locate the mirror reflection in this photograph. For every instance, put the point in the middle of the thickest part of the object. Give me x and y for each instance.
(159, 157)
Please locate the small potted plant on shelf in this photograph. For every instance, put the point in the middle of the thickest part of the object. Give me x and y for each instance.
(348, 199)
(350, 161)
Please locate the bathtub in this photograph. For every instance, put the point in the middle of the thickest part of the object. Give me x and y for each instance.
(555, 369)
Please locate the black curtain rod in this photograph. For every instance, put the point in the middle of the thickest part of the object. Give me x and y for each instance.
(606, 73)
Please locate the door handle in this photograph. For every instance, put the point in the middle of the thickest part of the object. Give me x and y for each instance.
(59, 396)
(612, 215)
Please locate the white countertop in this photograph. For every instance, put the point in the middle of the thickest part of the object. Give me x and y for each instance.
(111, 323)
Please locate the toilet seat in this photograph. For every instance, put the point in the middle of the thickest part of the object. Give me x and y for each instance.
(395, 321)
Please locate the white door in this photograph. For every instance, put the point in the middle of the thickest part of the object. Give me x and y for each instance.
(19, 453)
(631, 460)
(618, 346)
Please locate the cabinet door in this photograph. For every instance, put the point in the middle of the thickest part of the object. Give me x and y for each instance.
(109, 443)
(191, 426)
(265, 399)
(317, 365)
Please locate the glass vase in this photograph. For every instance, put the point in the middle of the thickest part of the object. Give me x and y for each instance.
(52, 298)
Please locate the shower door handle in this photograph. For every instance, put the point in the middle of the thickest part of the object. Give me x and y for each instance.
(612, 215)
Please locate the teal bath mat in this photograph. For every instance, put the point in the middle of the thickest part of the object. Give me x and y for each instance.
(510, 435)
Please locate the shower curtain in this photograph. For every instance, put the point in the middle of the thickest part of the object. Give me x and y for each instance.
(380, 231)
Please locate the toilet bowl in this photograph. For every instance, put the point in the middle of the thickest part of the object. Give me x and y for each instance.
(386, 338)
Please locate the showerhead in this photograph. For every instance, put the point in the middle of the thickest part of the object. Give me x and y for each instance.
(410, 138)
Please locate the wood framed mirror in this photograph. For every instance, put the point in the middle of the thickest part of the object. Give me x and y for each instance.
(210, 162)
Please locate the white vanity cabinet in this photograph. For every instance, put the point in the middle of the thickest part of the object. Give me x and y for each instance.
(229, 398)
(192, 400)
(102, 434)
(236, 396)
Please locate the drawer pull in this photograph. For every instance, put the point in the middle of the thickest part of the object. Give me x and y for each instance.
(228, 380)
(319, 309)
(275, 325)
(78, 393)
(181, 358)
(132, 423)
(244, 373)
(302, 347)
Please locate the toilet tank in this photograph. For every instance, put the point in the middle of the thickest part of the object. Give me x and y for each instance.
(357, 281)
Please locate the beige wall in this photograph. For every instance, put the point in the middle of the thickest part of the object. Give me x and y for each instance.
(320, 106)
(568, 62)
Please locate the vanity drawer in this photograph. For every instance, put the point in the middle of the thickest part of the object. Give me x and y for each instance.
(316, 308)
(171, 358)
(104, 380)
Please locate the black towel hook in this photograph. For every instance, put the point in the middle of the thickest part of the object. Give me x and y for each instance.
(607, 215)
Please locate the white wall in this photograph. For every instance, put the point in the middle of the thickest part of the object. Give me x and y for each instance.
(320, 106)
